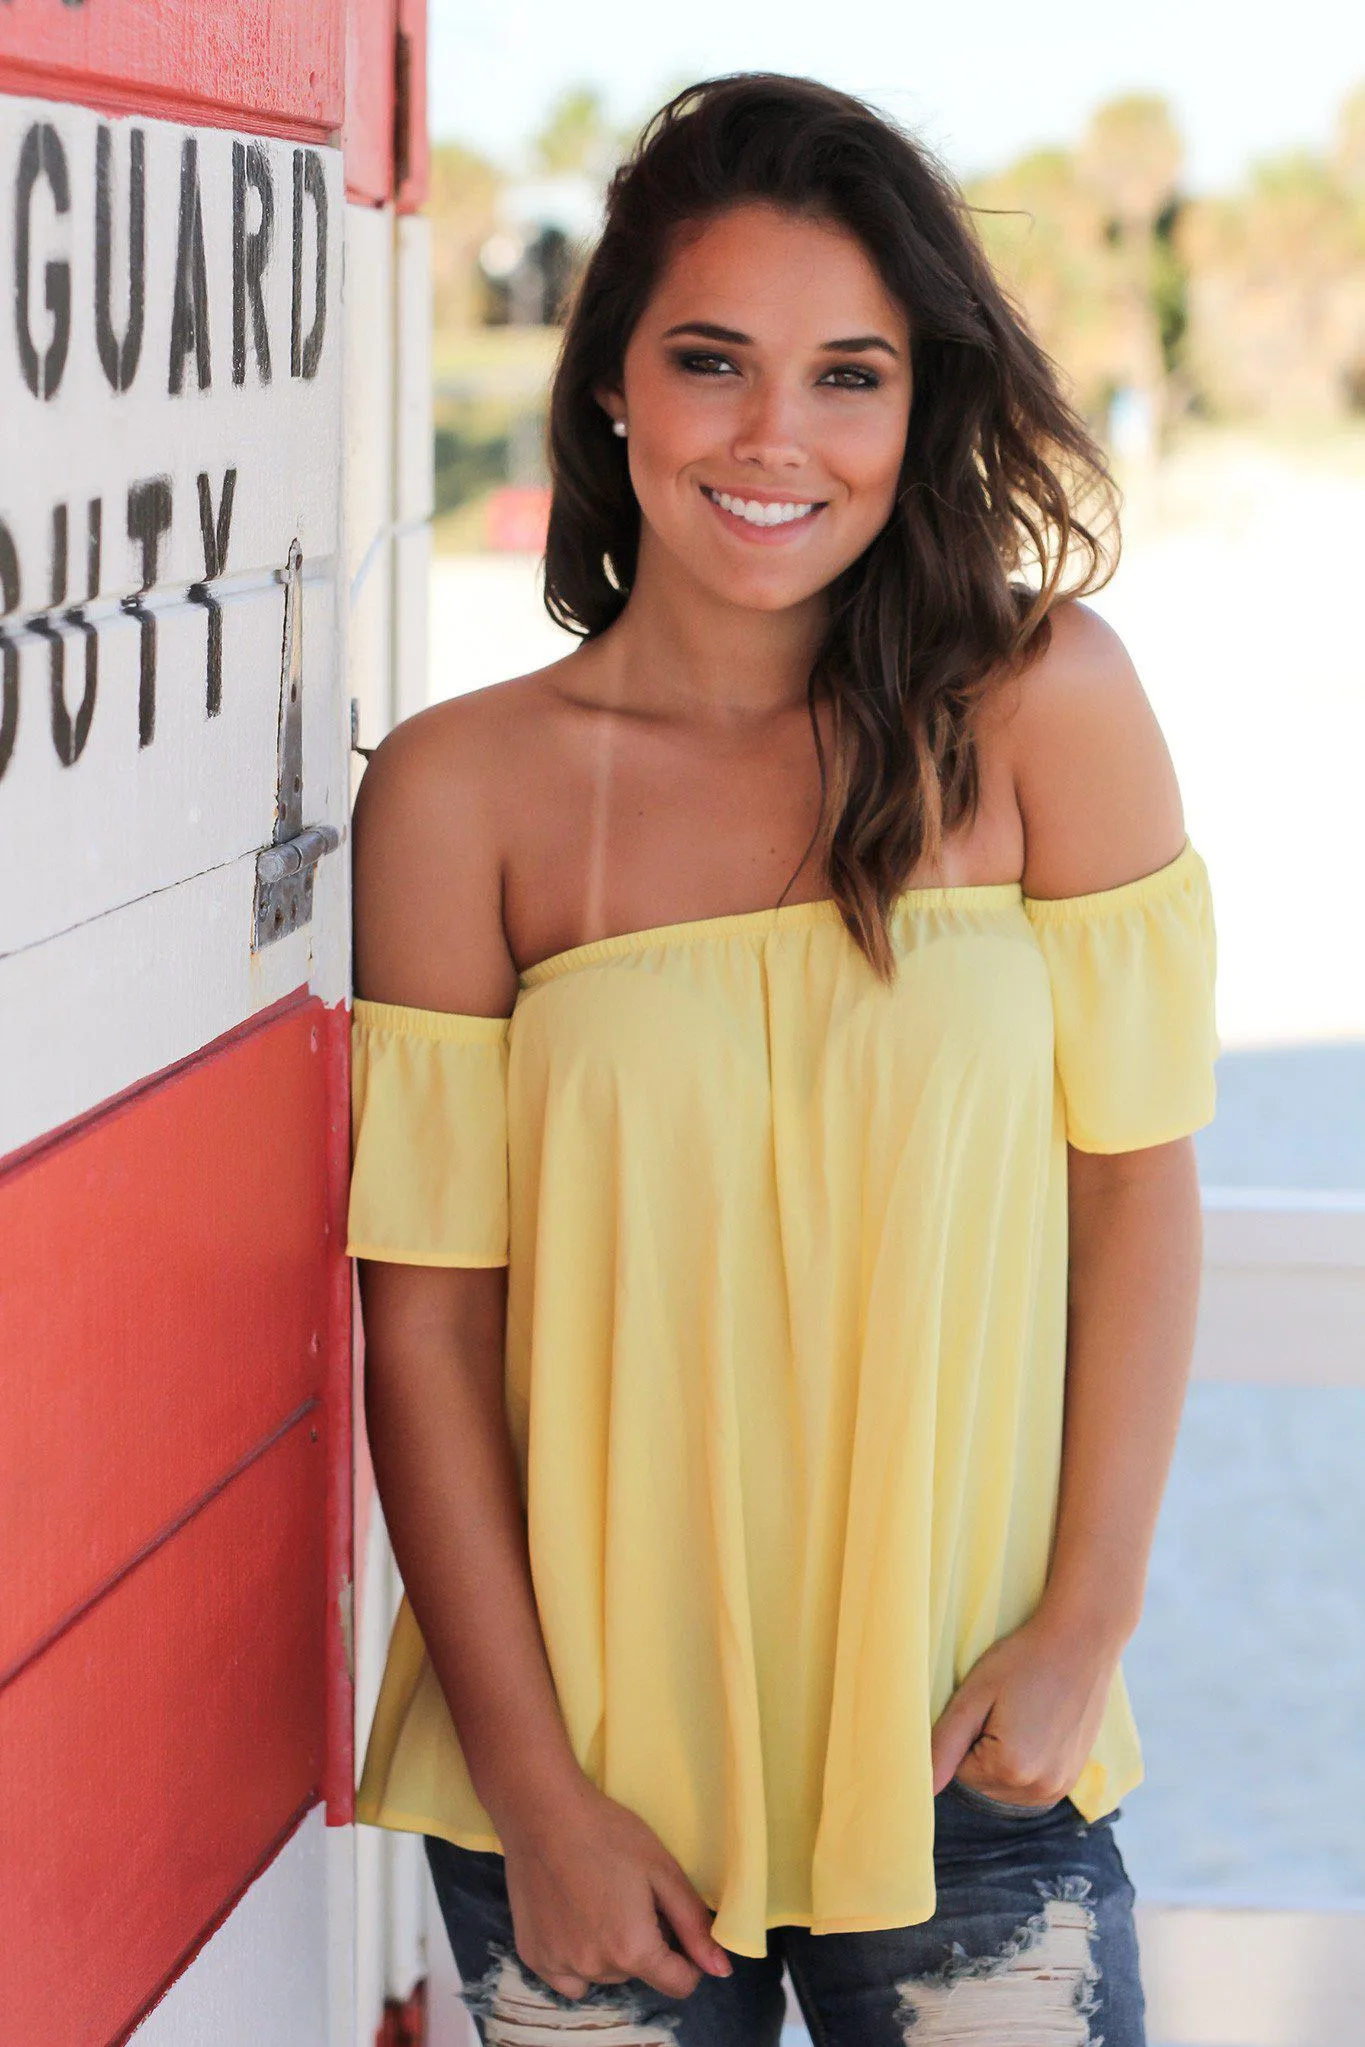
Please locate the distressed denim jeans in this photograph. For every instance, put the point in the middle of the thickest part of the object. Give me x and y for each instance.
(1032, 1945)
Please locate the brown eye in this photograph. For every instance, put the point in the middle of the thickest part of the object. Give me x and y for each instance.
(702, 364)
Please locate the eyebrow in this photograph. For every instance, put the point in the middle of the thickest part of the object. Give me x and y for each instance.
(853, 344)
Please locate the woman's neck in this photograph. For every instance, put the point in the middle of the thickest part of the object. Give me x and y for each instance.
(680, 651)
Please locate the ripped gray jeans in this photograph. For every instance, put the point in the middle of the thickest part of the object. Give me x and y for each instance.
(1032, 1943)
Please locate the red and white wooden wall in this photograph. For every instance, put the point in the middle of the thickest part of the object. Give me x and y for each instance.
(214, 498)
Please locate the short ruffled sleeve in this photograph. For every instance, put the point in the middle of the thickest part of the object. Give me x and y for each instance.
(1132, 971)
(428, 1136)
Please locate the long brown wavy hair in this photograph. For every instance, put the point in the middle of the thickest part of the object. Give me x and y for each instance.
(1005, 503)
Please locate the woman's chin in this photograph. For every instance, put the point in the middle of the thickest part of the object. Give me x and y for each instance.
(757, 590)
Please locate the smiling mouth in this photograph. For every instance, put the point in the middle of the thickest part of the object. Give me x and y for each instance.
(757, 512)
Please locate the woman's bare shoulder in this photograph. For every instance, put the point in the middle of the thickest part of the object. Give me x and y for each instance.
(429, 839)
(1096, 787)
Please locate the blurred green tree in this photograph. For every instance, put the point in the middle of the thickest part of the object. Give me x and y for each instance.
(1277, 286)
(1084, 240)
(576, 138)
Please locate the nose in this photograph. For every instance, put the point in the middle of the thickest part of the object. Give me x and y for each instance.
(770, 432)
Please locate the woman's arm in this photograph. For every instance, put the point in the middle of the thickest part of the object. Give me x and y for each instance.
(1136, 1234)
(586, 1877)
(1025, 1719)
(428, 932)
(1100, 807)
(447, 1482)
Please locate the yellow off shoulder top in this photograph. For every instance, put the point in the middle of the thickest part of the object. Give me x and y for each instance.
(786, 1330)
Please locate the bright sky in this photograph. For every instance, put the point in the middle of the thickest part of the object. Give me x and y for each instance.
(980, 80)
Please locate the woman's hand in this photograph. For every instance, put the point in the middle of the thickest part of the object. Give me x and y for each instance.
(594, 1893)
(1022, 1723)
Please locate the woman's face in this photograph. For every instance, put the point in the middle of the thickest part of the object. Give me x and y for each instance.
(766, 391)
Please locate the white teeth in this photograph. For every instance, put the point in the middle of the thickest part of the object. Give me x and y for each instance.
(759, 514)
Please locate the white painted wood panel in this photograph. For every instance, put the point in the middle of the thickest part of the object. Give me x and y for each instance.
(184, 412)
(369, 648)
(411, 618)
(380, 1594)
(126, 820)
(408, 1879)
(176, 392)
(410, 558)
(91, 1012)
(369, 382)
(345, 2027)
(413, 475)
(266, 1975)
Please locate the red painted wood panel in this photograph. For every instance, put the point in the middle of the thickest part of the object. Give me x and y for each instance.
(371, 65)
(169, 1269)
(413, 179)
(256, 64)
(155, 1754)
(387, 152)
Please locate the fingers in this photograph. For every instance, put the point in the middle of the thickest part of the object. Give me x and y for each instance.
(616, 1906)
(665, 1969)
(649, 1957)
(661, 1967)
(562, 1980)
(690, 1918)
(1041, 1779)
(957, 1727)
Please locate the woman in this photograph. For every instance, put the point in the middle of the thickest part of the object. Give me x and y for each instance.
(780, 1026)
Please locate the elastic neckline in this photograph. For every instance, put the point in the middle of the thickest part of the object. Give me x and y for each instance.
(439, 1025)
(1103, 902)
(738, 923)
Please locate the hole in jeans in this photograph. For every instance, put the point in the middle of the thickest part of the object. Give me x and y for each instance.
(514, 2010)
(1037, 1990)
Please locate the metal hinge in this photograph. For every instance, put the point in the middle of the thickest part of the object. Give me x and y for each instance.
(284, 868)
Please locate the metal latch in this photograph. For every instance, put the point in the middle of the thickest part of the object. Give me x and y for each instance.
(284, 868)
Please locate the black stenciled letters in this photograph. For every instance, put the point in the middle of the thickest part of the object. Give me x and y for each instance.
(149, 517)
(9, 653)
(120, 358)
(70, 734)
(250, 254)
(305, 352)
(41, 155)
(214, 533)
(190, 307)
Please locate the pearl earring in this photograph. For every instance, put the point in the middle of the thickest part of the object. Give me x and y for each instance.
(618, 426)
